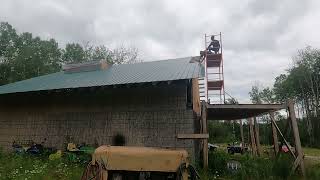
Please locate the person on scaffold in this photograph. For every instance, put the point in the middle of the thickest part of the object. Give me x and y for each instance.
(214, 46)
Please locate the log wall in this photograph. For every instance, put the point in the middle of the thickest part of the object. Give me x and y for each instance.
(146, 116)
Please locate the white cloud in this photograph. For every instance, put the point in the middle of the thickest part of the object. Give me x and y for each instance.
(259, 37)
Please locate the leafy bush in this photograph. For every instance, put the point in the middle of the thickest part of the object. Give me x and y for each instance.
(265, 168)
(251, 167)
(282, 166)
(255, 168)
(222, 132)
(218, 162)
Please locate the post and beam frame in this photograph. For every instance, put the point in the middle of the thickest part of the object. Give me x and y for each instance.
(292, 122)
(204, 123)
(298, 154)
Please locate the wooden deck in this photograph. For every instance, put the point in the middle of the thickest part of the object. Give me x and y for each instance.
(240, 111)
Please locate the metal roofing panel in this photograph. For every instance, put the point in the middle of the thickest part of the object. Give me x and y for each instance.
(165, 70)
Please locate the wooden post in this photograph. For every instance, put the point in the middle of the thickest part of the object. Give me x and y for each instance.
(241, 133)
(257, 136)
(295, 129)
(196, 97)
(204, 131)
(283, 138)
(274, 135)
(252, 139)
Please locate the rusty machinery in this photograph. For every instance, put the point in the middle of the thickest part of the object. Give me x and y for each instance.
(141, 163)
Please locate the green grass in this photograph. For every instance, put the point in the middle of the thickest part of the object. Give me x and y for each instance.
(255, 167)
(70, 166)
(311, 151)
(25, 166)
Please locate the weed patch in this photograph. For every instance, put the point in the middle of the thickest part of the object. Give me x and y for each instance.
(24, 166)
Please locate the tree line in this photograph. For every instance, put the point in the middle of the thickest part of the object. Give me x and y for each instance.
(301, 82)
(23, 56)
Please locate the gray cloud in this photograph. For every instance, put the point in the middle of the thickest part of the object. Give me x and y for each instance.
(259, 37)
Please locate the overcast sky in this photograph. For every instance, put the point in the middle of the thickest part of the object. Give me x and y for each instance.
(259, 36)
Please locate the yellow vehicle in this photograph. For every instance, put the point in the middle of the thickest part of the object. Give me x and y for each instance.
(139, 163)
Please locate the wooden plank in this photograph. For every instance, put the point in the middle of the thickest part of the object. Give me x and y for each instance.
(204, 131)
(296, 135)
(274, 135)
(193, 136)
(296, 163)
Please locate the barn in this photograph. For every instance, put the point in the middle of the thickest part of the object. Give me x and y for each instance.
(153, 104)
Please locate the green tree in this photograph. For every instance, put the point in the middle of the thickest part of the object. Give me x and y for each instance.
(124, 55)
(255, 95)
(23, 56)
(264, 95)
(73, 53)
(8, 51)
(301, 83)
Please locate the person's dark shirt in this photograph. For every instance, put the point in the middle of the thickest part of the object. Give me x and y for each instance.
(214, 45)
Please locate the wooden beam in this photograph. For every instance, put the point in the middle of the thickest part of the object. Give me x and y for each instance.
(196, 105)
(274, 135)
(284, 139)
(257, 136)
(296, 163)
(204, 131)
(248, 106)
(296, 135)
(193, 136)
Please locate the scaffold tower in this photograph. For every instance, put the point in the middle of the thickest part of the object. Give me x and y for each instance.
(212, 85)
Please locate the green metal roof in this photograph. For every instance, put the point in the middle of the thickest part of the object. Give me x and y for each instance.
(165, 70)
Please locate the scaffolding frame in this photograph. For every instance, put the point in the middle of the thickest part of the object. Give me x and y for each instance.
(214, 73)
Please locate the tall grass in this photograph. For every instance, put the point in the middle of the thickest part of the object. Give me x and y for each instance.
(251, 167)
(24, 166)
